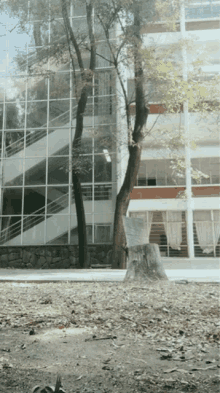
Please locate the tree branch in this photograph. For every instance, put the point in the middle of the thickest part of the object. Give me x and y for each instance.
(115, 62)
(72, 37)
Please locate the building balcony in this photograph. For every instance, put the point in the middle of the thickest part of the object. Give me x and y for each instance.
(170, 192)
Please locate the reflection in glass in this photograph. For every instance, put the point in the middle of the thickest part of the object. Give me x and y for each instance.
(58, 170)
(11, 229)
(35, 171)
(103, 142)
(56, 225)
(14, 142)
(34, 200)
(102, 233)
(86, 146)
(60, 85)
(103, 192)
(37, 114)
(37, 89)
(103, 167)
(12, 201)
(13, 171)
(14, 115)
(57, 199)
(59, 113)
(85, 169)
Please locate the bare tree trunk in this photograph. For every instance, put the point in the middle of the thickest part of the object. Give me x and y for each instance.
(81, 220)
(122, 203)
(144, 263)
(87, 79)
(134, 148)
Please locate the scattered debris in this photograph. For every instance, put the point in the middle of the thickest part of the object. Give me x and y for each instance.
(93, 338)
(170, 370)
(180, 325)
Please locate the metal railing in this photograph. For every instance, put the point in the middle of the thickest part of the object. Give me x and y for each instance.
(35, 136)
(104, 108)
(53, 207)
(33, 219)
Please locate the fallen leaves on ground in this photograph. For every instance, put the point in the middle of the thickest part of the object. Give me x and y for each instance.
(175, 313)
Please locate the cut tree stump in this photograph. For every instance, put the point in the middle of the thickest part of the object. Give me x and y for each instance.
(144, 263)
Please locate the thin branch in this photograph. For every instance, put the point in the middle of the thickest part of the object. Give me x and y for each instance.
(72, 37)
(115, 62)
(72, 58)
(153, 124)
(101, 56)
(89, 9)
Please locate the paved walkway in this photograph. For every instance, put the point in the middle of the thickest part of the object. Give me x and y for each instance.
(205, 270)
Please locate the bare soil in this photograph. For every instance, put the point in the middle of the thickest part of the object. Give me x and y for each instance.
(110, 337)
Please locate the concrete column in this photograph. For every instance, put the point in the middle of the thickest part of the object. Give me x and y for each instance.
(189, 204)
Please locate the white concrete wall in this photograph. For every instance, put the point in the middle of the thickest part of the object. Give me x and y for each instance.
(173, 204)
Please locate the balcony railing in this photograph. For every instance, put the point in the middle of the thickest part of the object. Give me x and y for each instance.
(53, 207)
(35, 136)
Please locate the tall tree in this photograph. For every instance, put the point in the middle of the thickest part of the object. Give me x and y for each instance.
(152, 66)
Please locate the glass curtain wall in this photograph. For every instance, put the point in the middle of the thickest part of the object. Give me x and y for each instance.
(37, 122)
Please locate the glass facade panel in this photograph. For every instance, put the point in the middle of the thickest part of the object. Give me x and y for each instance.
(57, 199)
(206, 170)
(86, 146)
(102, 233)
(14, 115)
(58, 172)
(39, 105)
(14, 142)
(34, 200)
(103, 167)
(160, 173)
(60, 85)
(56, 226)
(205, 9)
(37, 91)
(86, 169)
(59, 113)
(35, 171)
(12, 204)
(36, 114)
(13, 171)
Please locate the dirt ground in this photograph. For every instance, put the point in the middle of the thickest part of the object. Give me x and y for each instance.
(110, 337)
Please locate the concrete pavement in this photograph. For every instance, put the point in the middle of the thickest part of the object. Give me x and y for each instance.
(200, 270)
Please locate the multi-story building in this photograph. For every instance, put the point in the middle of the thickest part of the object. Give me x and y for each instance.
(38, 120)
(187, 227)
(38, 115)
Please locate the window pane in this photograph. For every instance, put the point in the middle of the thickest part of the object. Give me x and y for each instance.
(34, 200)
(12, 201)
(13, 171)
(102, 233)
(14, 142)
(37, 89)
(103, 168)
(59, 113)
(58, 170)
(57, 225)
(57, 199)
(86, 169)
(35, 171)
(60, 85)
(37, 114)
(14, 115)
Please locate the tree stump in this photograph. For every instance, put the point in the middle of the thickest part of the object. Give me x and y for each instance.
(144, 263)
